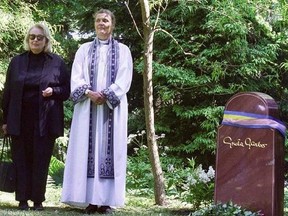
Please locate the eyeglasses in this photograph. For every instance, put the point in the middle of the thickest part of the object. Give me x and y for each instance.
(39, 37)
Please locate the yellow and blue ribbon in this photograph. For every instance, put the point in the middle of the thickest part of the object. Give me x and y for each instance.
(252, 120)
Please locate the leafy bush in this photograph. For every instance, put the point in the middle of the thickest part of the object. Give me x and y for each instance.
(61, 146)
(193, 183)
(139, 175)
(226, 209)
(184, 180)
(56, 170)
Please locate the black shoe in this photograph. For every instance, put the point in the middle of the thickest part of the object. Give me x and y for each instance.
(38, 207)
(23, 205)
(104, 210)
(90, 209)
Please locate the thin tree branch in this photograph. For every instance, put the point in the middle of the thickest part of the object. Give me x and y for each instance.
(174, 39)
(158, 13)
(157, 18)
(134, 22)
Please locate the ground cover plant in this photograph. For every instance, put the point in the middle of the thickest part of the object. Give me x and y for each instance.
(136, 205)
(189, 191)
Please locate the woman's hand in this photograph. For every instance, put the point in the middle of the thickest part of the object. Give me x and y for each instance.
(47, 92)
(96, 97)
(4, 128)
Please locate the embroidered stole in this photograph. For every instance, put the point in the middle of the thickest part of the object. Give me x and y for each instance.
(105, 159)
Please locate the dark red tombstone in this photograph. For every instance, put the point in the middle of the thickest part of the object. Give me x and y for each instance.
(250, 154)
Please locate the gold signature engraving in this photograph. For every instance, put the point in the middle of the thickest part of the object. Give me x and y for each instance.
(248, 142)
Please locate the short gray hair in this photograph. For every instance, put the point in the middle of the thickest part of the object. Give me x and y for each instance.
(46, 32)
(108, 12)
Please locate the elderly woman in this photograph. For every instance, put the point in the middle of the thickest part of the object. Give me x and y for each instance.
(95, 169)
(37, 83)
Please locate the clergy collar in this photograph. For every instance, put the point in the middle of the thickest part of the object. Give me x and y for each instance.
(103, 42)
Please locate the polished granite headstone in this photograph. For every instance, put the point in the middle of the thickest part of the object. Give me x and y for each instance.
(250, 154)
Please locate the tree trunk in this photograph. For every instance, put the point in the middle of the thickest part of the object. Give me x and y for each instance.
(159, 186)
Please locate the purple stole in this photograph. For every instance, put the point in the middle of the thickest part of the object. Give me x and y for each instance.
(105, 159)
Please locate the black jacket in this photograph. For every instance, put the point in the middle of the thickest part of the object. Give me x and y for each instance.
(51, 115)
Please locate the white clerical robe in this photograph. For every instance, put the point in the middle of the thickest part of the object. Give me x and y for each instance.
(77, 189)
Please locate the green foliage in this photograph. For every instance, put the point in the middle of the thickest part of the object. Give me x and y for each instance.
(61, 145)
(225, 209)
(68, 113)
(16, 16)
(5, 149)
(56, 170)
(285, 199)
(139, 175)
(184, 179)
(190, 183)
(214, 50)
(136, 121)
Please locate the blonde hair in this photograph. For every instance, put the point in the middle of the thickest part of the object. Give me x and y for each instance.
(46, 33)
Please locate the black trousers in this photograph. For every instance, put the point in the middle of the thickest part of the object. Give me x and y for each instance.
(31, 154)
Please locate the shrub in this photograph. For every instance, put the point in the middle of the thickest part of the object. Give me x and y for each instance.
(225, 209)
(184, 180)
(193, 183)
(139, 175)
(56, 170)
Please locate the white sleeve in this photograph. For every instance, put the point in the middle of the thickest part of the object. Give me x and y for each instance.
(80, 74)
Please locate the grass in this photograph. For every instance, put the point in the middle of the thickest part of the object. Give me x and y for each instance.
(135, 205)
